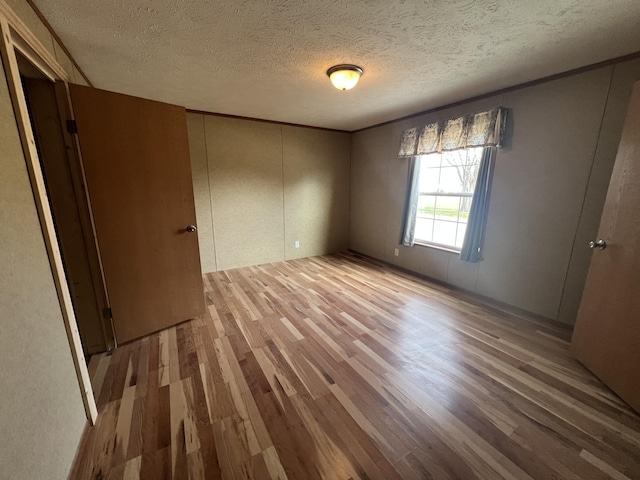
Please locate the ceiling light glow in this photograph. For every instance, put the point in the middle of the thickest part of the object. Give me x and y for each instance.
(345, 76)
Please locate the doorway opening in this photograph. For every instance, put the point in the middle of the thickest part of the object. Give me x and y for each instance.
(63, 181)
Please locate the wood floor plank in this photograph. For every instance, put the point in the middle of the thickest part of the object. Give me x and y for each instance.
(339, 367)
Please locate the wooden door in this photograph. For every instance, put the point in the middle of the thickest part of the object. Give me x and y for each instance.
(137, 170)
(606, 338)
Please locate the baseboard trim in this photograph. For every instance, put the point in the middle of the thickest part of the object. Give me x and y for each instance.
(465, 295)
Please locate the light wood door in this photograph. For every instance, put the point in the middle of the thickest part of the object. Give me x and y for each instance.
(137, 170)
(607, 334)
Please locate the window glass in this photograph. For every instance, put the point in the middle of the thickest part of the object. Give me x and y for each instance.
(424, 229)
(444, 232)
(447, 182)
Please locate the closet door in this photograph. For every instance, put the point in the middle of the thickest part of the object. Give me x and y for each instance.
(607, 333)
(137, 170)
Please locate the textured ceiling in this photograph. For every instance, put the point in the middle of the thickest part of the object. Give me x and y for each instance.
(267, 59)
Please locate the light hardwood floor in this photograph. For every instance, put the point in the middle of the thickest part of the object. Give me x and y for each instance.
(336, 367)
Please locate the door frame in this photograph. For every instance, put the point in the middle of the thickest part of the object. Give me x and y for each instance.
(17, 36)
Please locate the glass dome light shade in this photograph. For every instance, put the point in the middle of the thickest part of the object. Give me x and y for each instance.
(345, 77)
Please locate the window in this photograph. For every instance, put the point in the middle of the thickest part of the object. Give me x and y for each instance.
(443, 204)
(446, 185)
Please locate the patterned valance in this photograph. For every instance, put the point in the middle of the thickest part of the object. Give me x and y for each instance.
(475, 130)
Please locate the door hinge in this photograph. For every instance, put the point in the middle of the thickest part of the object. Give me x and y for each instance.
(107, 313)
(72, 127)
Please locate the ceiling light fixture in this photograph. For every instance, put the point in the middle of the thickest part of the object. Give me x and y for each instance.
(345, 76)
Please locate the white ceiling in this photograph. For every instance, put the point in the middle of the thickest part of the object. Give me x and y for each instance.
(267, 58)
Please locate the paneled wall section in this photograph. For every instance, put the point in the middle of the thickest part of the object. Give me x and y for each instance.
(548, 189)
(260, 187)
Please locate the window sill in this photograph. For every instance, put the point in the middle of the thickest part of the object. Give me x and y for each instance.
(438, 247)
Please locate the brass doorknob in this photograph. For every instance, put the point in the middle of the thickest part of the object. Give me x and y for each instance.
(191, 228)
(600, 244)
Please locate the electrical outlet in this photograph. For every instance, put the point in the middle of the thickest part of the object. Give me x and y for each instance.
(297, 243)
(396, 252)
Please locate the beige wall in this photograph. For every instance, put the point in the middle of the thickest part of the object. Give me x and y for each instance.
(316, 168)
(41, 410)
(261, 186)
(548, 189)
(622, 80)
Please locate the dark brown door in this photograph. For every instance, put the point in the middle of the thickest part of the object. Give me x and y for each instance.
(137, 169)
(607, 333)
